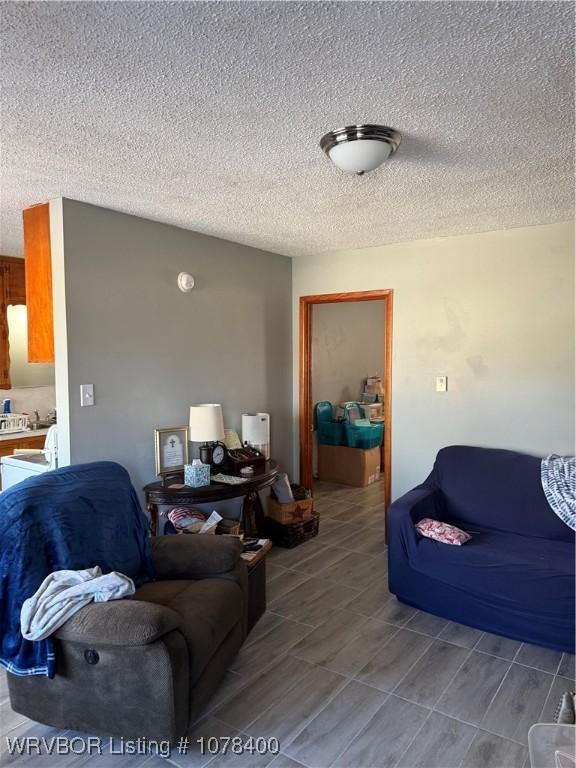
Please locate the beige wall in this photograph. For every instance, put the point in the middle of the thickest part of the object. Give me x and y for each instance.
(347, 346)
(495, 313)
(23, 373)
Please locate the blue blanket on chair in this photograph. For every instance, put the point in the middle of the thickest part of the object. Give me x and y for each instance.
(72, 518)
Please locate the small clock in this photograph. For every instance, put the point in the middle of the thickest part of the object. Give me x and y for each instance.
(219, 455)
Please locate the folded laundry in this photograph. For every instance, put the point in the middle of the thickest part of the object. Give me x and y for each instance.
(63, 593)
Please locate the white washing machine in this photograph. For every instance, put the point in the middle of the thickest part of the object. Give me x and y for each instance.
(20, 467)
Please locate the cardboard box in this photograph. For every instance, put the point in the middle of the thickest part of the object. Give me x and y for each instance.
(349, 466)
(374, 389)
(373, 410)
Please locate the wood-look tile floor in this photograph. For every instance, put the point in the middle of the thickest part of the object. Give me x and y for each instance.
(342, 674)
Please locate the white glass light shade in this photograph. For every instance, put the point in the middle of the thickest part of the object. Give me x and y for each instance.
(206, 423)
(359, 156)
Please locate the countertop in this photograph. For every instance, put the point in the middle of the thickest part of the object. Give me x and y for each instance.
(24, 433)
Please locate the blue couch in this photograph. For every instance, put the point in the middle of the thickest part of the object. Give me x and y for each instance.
(515, 577)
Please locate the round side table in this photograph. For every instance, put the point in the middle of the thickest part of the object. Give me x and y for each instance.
(179, 495)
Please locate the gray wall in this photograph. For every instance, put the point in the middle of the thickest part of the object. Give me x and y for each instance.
(495, 313)
(347, 346)
(152, 351)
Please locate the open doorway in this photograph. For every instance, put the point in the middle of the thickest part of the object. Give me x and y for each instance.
(306, 393)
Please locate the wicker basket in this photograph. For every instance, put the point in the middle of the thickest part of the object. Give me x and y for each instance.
(289, 536)
(228, 526)
(290, 512)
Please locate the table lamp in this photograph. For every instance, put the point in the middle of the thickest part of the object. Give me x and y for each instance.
(206, 427)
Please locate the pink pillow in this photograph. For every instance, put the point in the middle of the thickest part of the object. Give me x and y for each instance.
(447, 534)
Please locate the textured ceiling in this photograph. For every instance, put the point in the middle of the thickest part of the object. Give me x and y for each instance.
(208, 116)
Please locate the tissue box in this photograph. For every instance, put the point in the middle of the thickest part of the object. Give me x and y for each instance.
(196, 475)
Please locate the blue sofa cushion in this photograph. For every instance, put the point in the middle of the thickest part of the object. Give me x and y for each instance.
(512, 571)
(496, 489)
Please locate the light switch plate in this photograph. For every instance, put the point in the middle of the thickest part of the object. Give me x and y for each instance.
(441, 383)
(86, 395)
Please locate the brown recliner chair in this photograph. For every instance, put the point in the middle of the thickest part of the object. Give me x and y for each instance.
(146, 666)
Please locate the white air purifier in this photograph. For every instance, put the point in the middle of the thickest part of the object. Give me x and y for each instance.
(256, 431)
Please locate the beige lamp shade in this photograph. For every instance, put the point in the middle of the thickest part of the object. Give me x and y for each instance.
(206, 423)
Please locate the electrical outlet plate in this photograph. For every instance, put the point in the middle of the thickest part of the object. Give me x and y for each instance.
(441, 383)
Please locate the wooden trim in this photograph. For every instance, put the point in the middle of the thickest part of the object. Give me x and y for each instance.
(305, 415)
(305, 379)
(388, 402)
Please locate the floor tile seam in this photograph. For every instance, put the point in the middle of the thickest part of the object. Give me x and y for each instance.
(291, 589)
(529, 666)
(286, 650)
(512, 661)
(363, 552)
(307, 623)
(470, 650)
(428, 716)
(247, 680)
(495, 655)
(385, 621)
(483, 728)
(372, 557)
(518, 650)
(320, 711)
(541, 713)
(259, 639)
(347, 675)
(292, 758)
(360, 730)
(407, 671)
(444, 640)
(498, 688)
(366, 620)
(168, 761)
(251, 722)
(355, 637)
(522, 645)
(355, 675)
(478, 729)
(472, 737)
(477, 726)
(331, 586)
(559, 663)
(22, 722)
(285, 569)
(402, 625)
(312, 558)
(287, 619)
(506, 738)
(308, 720)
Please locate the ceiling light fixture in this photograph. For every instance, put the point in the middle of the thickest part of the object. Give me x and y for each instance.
(360, 148)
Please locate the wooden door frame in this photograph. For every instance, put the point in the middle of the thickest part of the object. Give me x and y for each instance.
(305, 379)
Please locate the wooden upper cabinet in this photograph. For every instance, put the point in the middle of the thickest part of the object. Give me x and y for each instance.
(12, 273)
(37, 257)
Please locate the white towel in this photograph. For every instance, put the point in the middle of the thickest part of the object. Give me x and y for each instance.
(63, 593)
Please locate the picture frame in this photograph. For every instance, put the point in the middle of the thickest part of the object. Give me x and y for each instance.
(171, 450)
